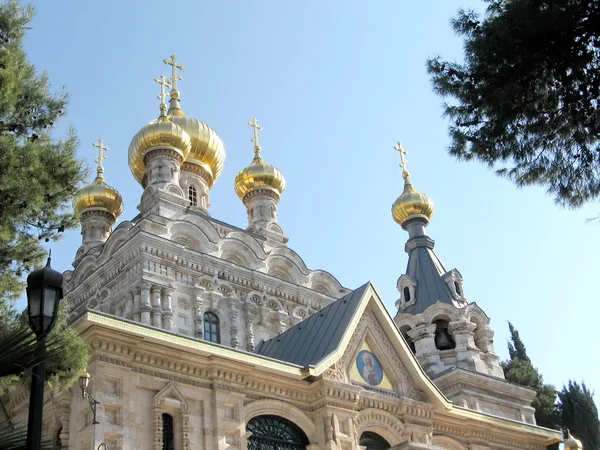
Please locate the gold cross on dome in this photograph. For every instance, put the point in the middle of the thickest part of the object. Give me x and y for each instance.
(101, 148)
(163, 84)
(254, 124)
(403, 161)
(174, 66)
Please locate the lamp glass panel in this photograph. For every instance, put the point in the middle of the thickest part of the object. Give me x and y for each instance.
(50, 295)
(34, 298)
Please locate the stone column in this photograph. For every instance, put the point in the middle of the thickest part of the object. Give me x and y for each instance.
(129, 306)
(233, 317)
(167, 317)
(157, 438)
(198, 312)
(137, 302)
(426, 352)
(156, 307)
(282, 318)
(145, 307)
(250, 332)
(467, 354)
(186, 429)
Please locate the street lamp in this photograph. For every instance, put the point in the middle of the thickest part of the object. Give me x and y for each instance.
(84, 381)
(44, 292)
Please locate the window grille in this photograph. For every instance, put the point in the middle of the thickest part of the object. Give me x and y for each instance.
(193, 196)
(275, 433)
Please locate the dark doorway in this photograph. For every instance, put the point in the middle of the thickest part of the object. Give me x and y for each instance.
(275, 433)
(372, 441)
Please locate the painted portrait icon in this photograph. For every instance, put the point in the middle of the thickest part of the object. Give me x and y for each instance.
(369, 367)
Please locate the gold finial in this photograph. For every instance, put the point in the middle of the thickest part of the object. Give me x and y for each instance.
(163, 83)
(403, 161)
(101, 148)
(174, 77)
(254, 124)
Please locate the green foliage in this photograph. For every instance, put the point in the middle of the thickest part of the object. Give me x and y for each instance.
(66, 357)
(15, 438)
(516, 348)
(38, 175)
(579, 414)
(526, 98)
(519, 369)
(38, 178)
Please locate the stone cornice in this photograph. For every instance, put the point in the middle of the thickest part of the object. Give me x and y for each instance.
(459, 379)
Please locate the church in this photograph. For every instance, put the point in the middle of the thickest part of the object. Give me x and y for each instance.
(209, 336)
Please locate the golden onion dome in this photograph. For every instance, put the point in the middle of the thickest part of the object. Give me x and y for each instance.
(207, 149)
(160, 133)
(572, 444)
(98, 196)
(259, 175)
(412, 204)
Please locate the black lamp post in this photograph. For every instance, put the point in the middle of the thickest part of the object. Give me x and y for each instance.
(44, 292)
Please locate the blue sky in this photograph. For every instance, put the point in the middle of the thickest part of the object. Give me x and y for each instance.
(335, 85)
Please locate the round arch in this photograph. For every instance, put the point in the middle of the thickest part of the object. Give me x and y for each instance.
(285, 410)
(273, 431)
(382, 423)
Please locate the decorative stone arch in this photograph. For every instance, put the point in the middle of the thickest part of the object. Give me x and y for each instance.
(238, 252)
(285, 410)
(117, 238)
(383, 423)
(483, 335)
(203, 225)
(166, 401)
(300, 312)
(440, 311)
(454, 281)
(405, 320)
(273, 304)
(192, 236)
(447, 443)
(292, 256)
(324, 282)
(285, 269)
(87, 266)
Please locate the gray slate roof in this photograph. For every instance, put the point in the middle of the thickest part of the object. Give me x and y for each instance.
(426, 269)
(316, 337)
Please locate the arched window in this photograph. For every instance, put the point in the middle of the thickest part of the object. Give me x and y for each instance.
(457, 287)
(406, 291)
(275, 433)
(443, 340)
(212, 330)
(168, 440)
(372, 441)
(193, 196)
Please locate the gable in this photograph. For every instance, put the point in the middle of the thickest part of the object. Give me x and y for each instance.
(387, 372)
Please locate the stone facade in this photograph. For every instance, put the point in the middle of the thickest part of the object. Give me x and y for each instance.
(174, 304)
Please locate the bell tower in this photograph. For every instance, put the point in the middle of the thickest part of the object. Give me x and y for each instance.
(443, 329)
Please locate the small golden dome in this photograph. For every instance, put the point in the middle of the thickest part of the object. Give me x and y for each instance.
(259, 175)
(411, 204)
(572, 444)
(98, 196)
(160, 133)
(207, 149)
